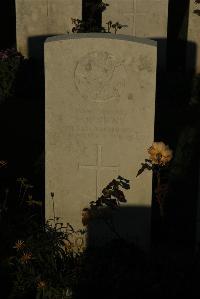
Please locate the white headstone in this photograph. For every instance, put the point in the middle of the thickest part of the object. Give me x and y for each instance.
(100, 102)
(38, 19)
(144, 18)
(193, 45)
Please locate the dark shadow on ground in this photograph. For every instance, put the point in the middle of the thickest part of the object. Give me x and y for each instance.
(131, 223)
(121, 269)
(22, 126)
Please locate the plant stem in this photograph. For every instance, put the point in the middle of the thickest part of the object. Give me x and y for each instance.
(159, 193)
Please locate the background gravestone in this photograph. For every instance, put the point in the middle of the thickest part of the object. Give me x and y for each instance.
(143, 18)
(100, 100)
(193, 36)
(38, 19)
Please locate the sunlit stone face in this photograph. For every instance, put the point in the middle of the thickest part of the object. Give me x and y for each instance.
(100, 99)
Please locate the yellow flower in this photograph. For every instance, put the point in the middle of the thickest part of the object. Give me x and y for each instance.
(75, 243)
(41, 284)
(68, 245)
(25, 258)
(19, 245)
(160, 153)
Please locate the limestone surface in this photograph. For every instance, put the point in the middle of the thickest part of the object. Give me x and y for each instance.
(142, 18)
(38, 19)
(100, 103)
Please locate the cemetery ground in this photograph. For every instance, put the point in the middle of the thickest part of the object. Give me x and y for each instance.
(33, 263)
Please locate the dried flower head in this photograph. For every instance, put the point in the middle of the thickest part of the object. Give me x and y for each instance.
(86, 216)
(160, 153)
(41, 284)
(26, 257)
(19, 245)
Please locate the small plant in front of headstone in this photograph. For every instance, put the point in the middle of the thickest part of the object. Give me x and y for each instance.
(111, 199)
(47, 260)
(10, 61)
(159, 157)
(44, 263)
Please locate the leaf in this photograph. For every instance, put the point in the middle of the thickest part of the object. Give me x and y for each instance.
(106, 192)
(148, 160)
(34, 202)
(120, 196)
(122, 179)
(197, 12)
(125, 185)
(144, 166)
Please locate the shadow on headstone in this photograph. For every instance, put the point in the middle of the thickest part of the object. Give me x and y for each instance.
(162, 52)
(90, 13)
(30, 81)
(132, 223)
(181, 56)
(172, 55)
(119, 268)
(177, 34)
(36, 46)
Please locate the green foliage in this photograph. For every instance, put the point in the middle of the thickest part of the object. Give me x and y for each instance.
(111, 199)
(112, 196)
(46, 262)
(40, 264)
(10, 61)
(43, 265)
(81, 26)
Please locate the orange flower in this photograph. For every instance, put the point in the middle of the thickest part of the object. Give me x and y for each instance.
(26, 257)
(160, 153)
(41, 284)
(68, 245)
(19, 245)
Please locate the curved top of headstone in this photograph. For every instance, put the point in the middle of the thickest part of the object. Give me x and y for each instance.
(102, 35)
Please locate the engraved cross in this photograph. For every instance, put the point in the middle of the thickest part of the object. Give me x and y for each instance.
(98, 167)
